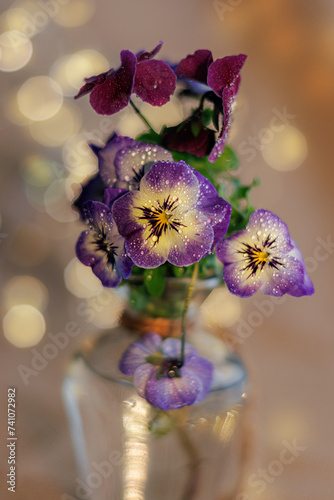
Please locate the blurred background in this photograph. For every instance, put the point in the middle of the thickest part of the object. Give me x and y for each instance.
(282, 133)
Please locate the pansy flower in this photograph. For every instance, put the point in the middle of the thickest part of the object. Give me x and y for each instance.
(150, 79)
(191, 136)
(223, 77)
(159, 376)
(172, 217)
(263, 257)
(122, 163)
(101, 247)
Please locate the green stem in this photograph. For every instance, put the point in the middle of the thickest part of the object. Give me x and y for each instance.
(185, 310)
(137, 110)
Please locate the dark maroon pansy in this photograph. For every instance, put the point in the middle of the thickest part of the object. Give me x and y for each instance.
(223, 77)
(190, 137)
(150, 79)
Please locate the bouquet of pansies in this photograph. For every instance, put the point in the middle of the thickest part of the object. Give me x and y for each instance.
(168, 204)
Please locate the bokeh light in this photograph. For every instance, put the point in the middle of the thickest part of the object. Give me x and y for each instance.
(80, 280)
(108, 307)
(286, 150)
(39, 98)
(70, 70)
(75, 13)
(15, 50)
(27, 290)
(29, 245)
(57, 201)
(57, 129)
(24, 326)
(221, 308)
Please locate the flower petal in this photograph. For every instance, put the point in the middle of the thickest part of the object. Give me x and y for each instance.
(192, 242)
(98, 215)
(171, 348)
(155, 81)
(224, 72)
(130, 161)
(174, 179)
(228, 100)
(141, 56)
(141, 377)
(113, 94)
(184, 140)
(172, 393)
(111, 195)
(199, 368)
(107, 158)
(136, 353)
(195, 66)
(215, 208)
(86, 249)
(93, 189)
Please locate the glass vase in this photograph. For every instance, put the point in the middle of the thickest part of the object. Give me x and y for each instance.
(125, 449)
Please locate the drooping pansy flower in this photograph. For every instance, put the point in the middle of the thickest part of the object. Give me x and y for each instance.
(150, 79)
(101, 247)
(159, 376)
(191, 136)
(175, 216)
(263, 257)
(223, 77)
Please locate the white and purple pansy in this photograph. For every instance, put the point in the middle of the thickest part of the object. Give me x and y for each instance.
(160, 378)
(263, 257)
(123, 161)
(101, 247)
(175, 216)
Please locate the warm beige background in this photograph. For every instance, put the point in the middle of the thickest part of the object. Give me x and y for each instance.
(290, 45)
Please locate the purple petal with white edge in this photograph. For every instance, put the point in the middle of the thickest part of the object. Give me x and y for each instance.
(107, 158)
(155, 82)
(192, 242)
(141, 377)
(174, 179)
(113, 94)
(136, 353)
(172, 393)
(195, 66)
(264, 224)
(279, 282)
(111, 195)
(130, 161)
(86, 249)
(223, 72)
(306, 287)
(171, 348)
(202, 369)
(107, 272)
(143, 55)
(98, 215)
(215, 208)
(228, 100)
(262, 257)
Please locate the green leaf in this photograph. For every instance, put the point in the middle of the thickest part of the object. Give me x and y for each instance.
(149, 137)
(195, 127)
(154, 280)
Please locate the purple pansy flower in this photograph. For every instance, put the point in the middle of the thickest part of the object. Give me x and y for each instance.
(158, 375)
(263, 257)
(175, 216)
(101, 247)
(150, 79)
(124, 161)
(223, 77)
